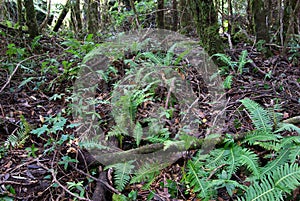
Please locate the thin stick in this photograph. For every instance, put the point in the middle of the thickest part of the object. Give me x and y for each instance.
(15, 70)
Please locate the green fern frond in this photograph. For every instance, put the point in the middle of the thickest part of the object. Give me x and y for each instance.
(250, 160)
(288, 141)
(295, 153)
(195, 178)
(122, 173)
(274, 185)
(287, 177)
(262, 191)
(282, 158)
(19, 139)
(228, 82)
(258, 115)
(255, 137)
(243, 61)
(287, 127)
(225, 59)
(147, 172)
(217, 157)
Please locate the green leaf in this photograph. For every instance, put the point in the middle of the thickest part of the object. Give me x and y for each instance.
(40, 131)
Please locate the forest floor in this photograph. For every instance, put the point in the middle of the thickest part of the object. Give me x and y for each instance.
(35, 91)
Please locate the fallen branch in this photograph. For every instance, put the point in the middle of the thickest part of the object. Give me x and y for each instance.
(15, 70)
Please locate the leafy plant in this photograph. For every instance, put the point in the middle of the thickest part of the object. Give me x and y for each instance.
(21, 136)
(122, 173)
(65, 160)
(78, 186)
(237, 67)
(207, 173)
(32, 151)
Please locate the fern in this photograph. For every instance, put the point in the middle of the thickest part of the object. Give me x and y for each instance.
(258, 115)
(287, 127)
(147, 172)
(228, 82)
(275, 184)
(255, 137)
(122, 173)
(280, 159)
(19, 139)
(195, 178)
(295, 153)
(243, 61)
(250, 160)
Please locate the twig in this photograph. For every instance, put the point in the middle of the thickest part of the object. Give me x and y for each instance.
(98, 180)
(15, 70)
(54, 179)
(214, 171)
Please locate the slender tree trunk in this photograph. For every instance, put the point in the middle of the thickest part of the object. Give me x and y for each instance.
(259, 20)
(292, 27)
(77, 15)
(175, 15)
(230, 17)
(185, 17)
(31, 22)
(20, 16)
(137, 22)
(160, 14)
(62, 16)
(206, 20)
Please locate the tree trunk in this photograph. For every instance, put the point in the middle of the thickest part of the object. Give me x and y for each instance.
(185, 17)
(62, 16)
(206, 20)
(20, 17)
(292, 27)
(31, 22)
(175, 16)
(259, 20)
(160, 14)
(93, 22)
(77, 15)
(230, 17)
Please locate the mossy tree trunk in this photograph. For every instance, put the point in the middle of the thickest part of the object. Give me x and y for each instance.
(259, 13)
(93, 22)
(77, 15)
(20, 17)
(160, 14)
(185, 17)
(175, 15)
(288, 17)
(31, 22)
(206, 19)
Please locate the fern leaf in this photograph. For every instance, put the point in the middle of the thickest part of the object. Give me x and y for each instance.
(287, 177)
(287, 127)
(257, 136)
(280, 159)
(147, 172)
(275, 184)
(228, 82)
(250, 160)
(122, 173)
(264, 190)
(295, 153)
(243, 61)
(199, 184)
(258, 115)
